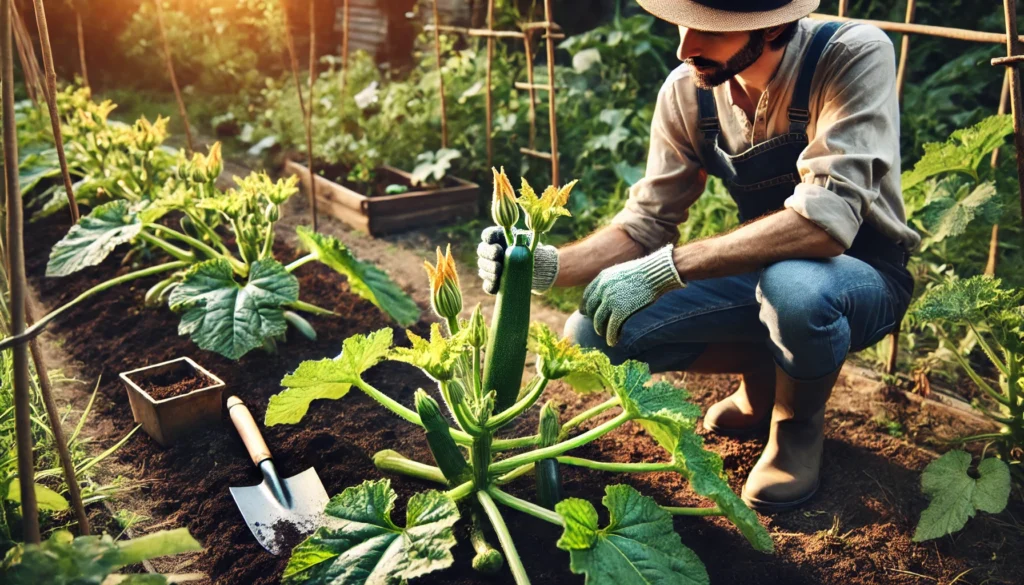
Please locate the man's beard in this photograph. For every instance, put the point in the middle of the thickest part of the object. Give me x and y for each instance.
(716, 74)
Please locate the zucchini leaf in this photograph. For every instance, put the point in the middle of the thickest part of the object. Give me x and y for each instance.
(949, 214)
(956, 496)
(328, 378)
(437, 356)
(365, 280)
(365, 546)
(93, 238)
(963, 152)
(660, 402)
(584, 370)
(46, 498)
(229, 318)
(639, 544)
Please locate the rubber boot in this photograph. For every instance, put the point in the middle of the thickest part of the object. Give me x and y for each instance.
(787, 473)
(746, 412)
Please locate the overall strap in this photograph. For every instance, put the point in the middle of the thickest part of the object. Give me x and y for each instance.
(707, 112)
(799, 114)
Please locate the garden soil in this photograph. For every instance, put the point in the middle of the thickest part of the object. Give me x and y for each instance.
(856, 531)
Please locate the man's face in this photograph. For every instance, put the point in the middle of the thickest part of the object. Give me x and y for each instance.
(718, 57)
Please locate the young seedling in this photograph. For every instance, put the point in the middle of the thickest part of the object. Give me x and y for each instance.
(473, 463)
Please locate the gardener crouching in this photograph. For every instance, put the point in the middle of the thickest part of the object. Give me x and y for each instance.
(800, 120)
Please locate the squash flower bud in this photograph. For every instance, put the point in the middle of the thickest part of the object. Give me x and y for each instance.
(446, 298)
(477, 329)
(504, 209)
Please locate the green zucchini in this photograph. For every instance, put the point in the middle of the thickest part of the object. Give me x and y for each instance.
(439, 438)
(547, 471)
(488, 560)
(299, 323)
(510, 326)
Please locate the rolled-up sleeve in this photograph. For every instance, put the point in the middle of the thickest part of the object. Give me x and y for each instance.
(673, 180)
(855, 141)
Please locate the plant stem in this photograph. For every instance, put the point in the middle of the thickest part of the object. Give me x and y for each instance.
(976, 378)
(481, 458)
(300, 262)
(587, 414)
(514, 474)
(40, 325)
(617, 467)
(174, 251)
(517, 443)
(404, 413)
(509, 238)
(556, 450)
(712, 511)
(310, 308)
(504, 538)
(501, 419)
(476, 373)
(211, 233)
(389, 460)
(524, 506)
(238, 267)
(460, 491)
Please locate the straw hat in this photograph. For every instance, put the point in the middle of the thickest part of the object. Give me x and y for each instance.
(729, 15)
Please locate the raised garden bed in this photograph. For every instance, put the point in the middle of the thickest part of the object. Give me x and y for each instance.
(856, 531)
(382, 213)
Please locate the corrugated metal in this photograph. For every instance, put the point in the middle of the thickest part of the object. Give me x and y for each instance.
(368, 26)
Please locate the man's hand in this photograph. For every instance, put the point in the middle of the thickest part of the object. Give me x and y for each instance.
(490, 255)
(622, 290)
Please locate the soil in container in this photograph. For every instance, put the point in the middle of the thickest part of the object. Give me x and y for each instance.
(172, 382)
(380, 183)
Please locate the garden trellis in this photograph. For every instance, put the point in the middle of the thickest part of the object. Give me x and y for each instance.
(526, 34)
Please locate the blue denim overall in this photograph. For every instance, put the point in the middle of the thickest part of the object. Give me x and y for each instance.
(810, 313)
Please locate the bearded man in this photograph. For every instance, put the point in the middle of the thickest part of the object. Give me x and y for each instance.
(800, 120)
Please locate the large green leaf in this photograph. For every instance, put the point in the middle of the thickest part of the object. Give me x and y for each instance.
(46, 498)
(660, 402)
(35, 166)
(328, 378)
(436, 356)
(366, 547)
(89, 241)
(638, 546)
(703, 469)
(229, 318)
(948, 216)
(88, 560)
(963, 152)
(365, 280)
(584, 370)
(955, 495)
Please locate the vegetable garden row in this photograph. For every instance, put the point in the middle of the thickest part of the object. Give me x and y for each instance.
(541, 460)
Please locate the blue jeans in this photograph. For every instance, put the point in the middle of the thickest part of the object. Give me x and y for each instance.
(809, 313)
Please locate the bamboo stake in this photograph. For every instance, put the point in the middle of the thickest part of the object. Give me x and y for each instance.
(490, 68)
(959, 34)
(309, 111)
(1004, 104)
(27, 55)
(81, 48)
(904, 52)
(18, 285)
(1012, 40)
(527, 42)
(344, 48)
(53, 415)
(293, 56)
(551, 95)
(843, 7)
(440, 84)
(993, 252)
(170, 72)
(51, 103)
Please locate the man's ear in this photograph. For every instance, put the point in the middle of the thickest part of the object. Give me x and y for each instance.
(774, 32)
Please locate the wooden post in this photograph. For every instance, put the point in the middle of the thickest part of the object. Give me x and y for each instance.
(843, 7)
(993, 252)
(527, 44)
(440, 78)
(309, 112)
(27, 56)
(551, 93)
(344, 47)
(18, 285)
(490, 98)
(1012, 42)
(293, 56)
(51, 103)
(170, 72)
(905, 51)
(81, 48)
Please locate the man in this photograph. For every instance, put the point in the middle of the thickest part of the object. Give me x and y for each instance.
(800, 119)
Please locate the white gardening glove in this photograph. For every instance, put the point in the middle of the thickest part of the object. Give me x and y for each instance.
(490, 255)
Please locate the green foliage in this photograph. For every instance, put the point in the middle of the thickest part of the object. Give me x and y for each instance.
(365, 546)
(956, 495)
(431, 167)
(93, 238)
(639, 544)
(90, 560)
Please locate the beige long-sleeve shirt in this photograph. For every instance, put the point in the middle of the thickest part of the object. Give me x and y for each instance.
(850, 170)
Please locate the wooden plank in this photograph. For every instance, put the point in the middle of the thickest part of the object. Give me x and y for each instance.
(348, 216)
(326, 188)
(422, 200)
(386, 224)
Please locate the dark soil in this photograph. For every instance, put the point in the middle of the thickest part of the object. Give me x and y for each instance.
(381, 180)
(856, 531)
(172, 383)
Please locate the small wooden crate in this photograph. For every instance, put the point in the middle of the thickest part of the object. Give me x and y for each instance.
(385, 214)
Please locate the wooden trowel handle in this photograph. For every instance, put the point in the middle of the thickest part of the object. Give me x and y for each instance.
(247, 429)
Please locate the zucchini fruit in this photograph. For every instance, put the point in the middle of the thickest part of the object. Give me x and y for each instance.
(510, 326)
(439, 438)
(547, 471)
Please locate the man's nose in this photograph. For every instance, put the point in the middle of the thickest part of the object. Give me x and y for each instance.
(689, 44)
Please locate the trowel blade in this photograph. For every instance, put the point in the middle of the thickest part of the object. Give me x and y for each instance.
(270, 520)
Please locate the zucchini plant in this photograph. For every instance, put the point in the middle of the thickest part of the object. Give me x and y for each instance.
(480, 391)
(233, 294)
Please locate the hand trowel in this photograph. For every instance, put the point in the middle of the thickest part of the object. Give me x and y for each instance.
(280, 509)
